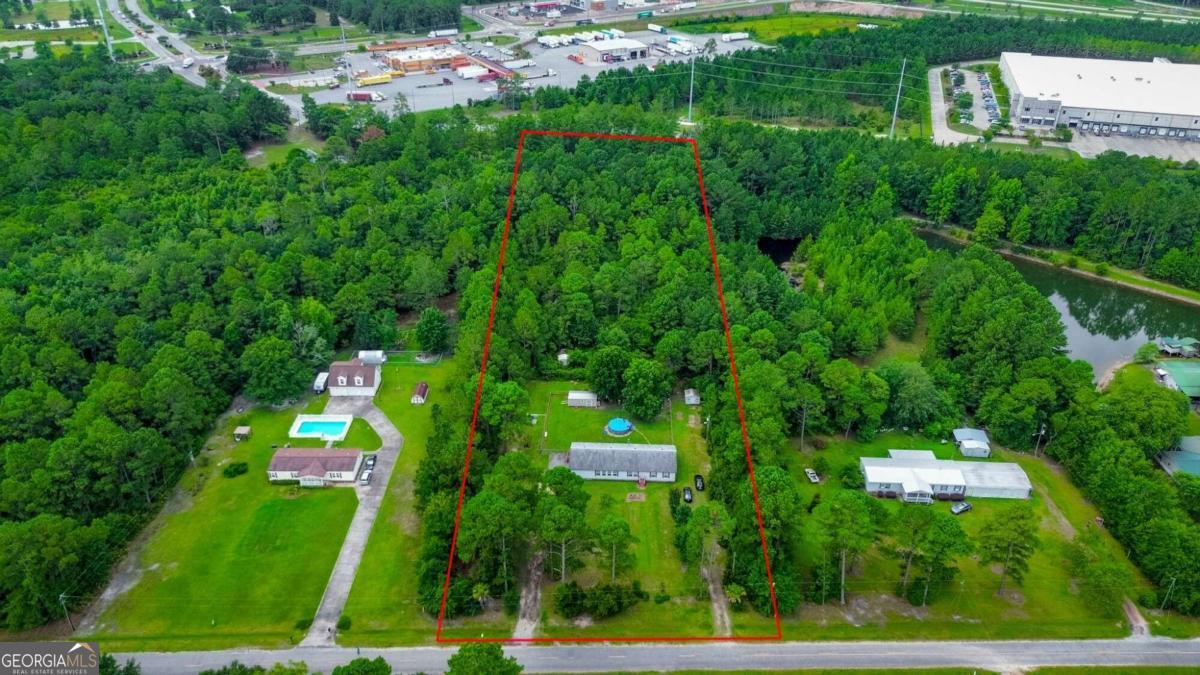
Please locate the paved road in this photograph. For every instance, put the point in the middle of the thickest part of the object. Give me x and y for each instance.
(324, 628)
(1002, 656)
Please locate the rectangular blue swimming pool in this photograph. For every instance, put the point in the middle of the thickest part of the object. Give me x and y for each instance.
(331, 429)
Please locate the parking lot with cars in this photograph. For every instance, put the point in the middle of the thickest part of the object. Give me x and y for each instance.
(985, 111)
(445, 88)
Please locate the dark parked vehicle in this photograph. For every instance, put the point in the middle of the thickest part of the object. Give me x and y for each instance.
(687, 495)
(699, 480)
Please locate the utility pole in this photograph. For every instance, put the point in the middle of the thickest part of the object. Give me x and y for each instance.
(691, 89)
(896, 108)
(1168, 595)
(62, 600)
(107, 39)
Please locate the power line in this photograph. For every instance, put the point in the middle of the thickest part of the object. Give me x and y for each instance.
(814, 89)
(802, 67)
(804, 77)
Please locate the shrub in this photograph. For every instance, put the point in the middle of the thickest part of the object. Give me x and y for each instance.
(818, 442)
(569, 600)
(662, 595)
(1148, 599)
(304, 624)
(512, 601)
(343, 622)
(235, 469)
(1103, 269)
(850, 476)
(1072, 262)
(821, 465)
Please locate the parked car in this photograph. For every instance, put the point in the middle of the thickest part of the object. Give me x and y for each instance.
(370, 461)
(960, 508)
(687, 495)
(699, 481)
(365, 479)
(812, 475)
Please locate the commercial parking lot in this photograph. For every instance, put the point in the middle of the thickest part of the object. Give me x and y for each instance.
(984, 110)
(427, 92)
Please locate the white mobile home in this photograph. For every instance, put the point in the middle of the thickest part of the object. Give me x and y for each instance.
(918, 476)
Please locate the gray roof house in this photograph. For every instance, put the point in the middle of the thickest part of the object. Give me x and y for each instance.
(623, 461)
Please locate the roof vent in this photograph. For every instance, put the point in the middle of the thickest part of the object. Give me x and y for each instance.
(1077, 75)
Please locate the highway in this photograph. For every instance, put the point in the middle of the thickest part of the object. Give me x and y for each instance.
(1005, 656)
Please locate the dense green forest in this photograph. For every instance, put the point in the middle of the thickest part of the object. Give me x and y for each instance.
(411, 16)
(147, 275)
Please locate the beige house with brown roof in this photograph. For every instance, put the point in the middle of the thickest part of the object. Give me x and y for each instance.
(315, 467)
(354, 378)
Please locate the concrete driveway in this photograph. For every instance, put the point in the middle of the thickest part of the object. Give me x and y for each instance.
(323, 632)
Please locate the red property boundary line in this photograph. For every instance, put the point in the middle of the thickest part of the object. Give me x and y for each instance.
(712, 246)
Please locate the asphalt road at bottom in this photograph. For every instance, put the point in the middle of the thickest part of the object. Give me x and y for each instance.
(749, 656)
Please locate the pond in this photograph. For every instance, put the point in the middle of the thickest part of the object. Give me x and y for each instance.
(1105, 323)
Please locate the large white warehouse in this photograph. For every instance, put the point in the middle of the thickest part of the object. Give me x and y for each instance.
(1135, 98)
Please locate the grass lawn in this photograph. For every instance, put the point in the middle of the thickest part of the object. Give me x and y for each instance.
(1055, 151)
(468, 25)
(657, 560)
(769, 29)
(287, 89)
(273, 153)
(558, 425)
(1044, 607)
(1193, 423)
(232, 567)
(383, 601)
(657, 566)
(502, 40)
(361, 436)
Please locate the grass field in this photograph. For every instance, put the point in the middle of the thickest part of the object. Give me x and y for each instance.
(273, 153)
(1044, 606)
(769, 29)
(558, 425)
(383, 602)
(241, 561)
(657, 566)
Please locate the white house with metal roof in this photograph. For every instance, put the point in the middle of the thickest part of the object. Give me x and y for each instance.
(623, 461)
(919, 476)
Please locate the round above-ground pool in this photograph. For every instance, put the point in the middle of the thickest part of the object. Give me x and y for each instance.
(619, 427)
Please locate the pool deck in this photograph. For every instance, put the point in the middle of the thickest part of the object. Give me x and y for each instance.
(345, 420)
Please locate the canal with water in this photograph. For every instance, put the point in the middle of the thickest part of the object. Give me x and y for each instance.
(1105, 323)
